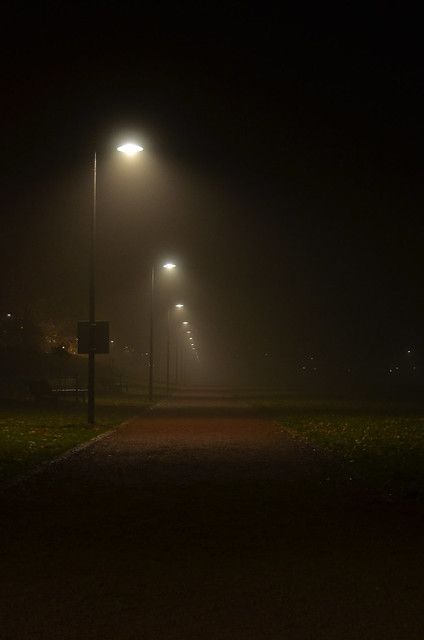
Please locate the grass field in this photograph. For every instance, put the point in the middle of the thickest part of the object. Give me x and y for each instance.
(379, 442)
(31, 435)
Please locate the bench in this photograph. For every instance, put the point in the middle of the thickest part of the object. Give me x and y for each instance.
(53, 389)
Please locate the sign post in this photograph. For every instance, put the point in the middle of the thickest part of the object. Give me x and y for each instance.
(101, 337)
(93, 338)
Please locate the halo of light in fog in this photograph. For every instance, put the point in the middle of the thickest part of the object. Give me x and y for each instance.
(169, 266)
(179, 305)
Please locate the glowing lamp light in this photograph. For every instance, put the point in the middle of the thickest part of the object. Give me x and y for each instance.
(169, 266)
(179, 306)
(130, 149)
(185, 322)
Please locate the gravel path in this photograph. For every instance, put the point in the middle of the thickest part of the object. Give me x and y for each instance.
(206, 524)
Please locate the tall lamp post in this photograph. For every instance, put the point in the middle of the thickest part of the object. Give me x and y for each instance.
(92, 302)
(129, 149)
(169, 266)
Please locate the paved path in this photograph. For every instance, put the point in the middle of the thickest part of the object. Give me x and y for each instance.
(183, 525)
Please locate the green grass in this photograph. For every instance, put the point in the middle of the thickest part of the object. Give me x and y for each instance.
(380, 442)
(31, 435)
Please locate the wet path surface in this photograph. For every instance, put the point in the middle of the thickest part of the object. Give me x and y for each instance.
(184, 525)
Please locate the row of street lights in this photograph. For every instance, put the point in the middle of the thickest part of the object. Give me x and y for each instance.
(129, 149)
(185, 324)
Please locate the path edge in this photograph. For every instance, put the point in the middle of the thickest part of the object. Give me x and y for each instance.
(47, 464)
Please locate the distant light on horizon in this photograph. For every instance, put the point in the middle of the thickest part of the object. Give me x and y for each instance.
(130, 149)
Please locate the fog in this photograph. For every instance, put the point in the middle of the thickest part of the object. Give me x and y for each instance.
(292, 212)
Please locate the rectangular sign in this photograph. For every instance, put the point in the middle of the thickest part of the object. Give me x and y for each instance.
(101, 337)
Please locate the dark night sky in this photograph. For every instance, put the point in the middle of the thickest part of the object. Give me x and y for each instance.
(282, 169)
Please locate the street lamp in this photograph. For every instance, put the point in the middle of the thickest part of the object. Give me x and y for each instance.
(169, 266)
(178, 356)
(129, 149)
(178, 306)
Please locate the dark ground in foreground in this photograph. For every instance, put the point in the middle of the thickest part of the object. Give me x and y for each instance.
(206, 524)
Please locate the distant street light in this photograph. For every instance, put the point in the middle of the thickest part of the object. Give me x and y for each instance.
(179, 355)
(169, 266)
(178, 306)
(129, 149)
